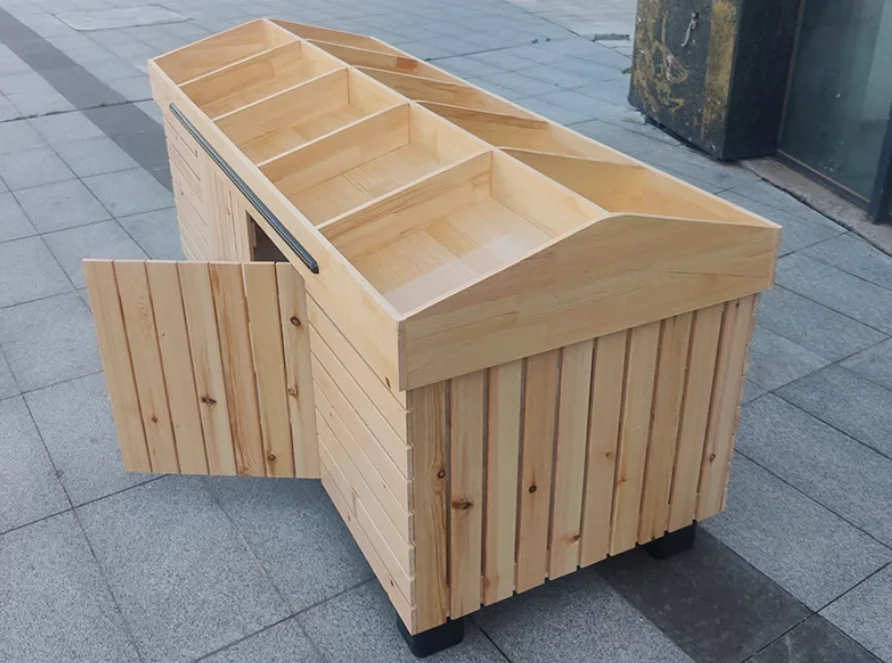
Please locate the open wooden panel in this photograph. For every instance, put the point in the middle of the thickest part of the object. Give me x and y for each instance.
(262, 75)
(205, 366)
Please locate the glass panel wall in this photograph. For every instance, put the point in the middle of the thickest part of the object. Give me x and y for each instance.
(841, 91)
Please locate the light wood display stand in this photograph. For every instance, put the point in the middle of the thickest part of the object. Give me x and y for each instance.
(507, 350)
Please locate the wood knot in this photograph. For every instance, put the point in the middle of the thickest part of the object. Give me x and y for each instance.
(207, 400)
(464, 505)
(387, 381)
(533, 488)
(711, 458)
(292, 391)
(295, 321)
(154, 419)
(271, 457)
(575, 537)
(441, 474)
(610, 455)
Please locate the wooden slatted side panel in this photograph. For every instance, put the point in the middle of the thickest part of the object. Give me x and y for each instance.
(671, 372)
(467, 414)
(427, 423)
(569, 470)
(737, 329)
(706, 328)
(635, 428)
(196, 366)
(502, 459)
(605, 414)
(541, 385)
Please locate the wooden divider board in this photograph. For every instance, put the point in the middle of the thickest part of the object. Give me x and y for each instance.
(199, 377)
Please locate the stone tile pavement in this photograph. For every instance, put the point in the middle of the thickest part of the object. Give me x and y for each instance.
(97, 565)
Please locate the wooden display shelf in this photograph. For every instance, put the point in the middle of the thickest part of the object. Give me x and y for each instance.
(507, 350)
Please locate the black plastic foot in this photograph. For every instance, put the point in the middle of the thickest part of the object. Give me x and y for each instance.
(433, 640)
(672, 543)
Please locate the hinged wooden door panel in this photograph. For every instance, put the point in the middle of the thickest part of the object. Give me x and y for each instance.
(208, 366)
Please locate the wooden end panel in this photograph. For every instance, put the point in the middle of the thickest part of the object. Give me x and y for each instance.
(617, 273)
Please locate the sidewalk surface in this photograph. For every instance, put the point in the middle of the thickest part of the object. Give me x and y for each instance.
(98, 566)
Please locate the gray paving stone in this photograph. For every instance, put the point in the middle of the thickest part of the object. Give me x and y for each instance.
(775, 361)
(809, 551)
(151, 109)
(8, 112)
(360, 625)
(838, 472)
(526, 86)
(49, 341)
(46, 103)
(61, 205)
(29, 489)
(186, 583)
(752, 391)
(296, 533)
(817, 328)
(95, 156)
(282, 643)
(815, 641)
(29, 271)
(576, 618)
(710, 602)
(54, 604)
(14, 223)
(136, 88)
(114, 70)
(768, 194)
(855, 256)
(838, 290)
(560, 77)
(33, 167)
(65, 128)
(553, 112)
(848, 402)
(98, 240)
(156, 232)
(798, 232)
(467, 67)
(864, 614)
(502, 60)
(874, 364)
(129, 192)
(75, 421)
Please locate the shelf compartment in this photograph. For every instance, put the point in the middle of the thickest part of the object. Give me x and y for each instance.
(448, 230)
(420, 88)
(291, 118)
(221, 50)
(314, 32)
(399, 64)
(366, 160)
(633, 189)
(245, 82)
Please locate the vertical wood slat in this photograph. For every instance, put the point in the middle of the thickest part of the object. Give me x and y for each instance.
(207, 365)
(262, 297)
(608, 374)
(295, 335)
(705, 331)
(176, 361)
(671, 371)
(235, 343)
(634, 434)
(467, 412)
(737, 326)
(569, 471)
(427, 411)
(142, 336)
(502, 460)
(539, 418)
(115, 350)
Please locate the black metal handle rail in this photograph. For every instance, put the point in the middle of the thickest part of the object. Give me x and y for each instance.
(265, 212)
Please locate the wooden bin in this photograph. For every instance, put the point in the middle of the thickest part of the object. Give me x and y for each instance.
(508, 351)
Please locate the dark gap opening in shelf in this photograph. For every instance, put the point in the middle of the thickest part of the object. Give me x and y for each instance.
(263, 248)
